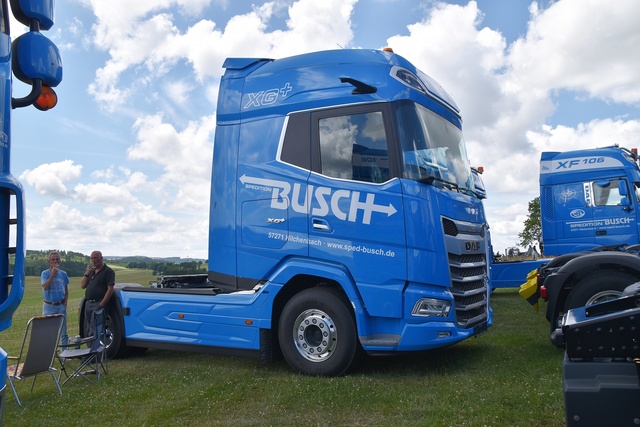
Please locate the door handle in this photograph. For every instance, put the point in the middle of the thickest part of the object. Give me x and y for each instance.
(320, 224)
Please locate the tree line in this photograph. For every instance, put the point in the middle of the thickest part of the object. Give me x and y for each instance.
(75, 264)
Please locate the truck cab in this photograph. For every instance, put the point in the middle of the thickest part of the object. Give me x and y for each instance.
(343, 217)
(589, 205)
(589, 198)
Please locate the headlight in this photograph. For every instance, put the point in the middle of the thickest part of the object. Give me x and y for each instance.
(428, 307)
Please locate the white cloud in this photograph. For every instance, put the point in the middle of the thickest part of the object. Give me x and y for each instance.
(185, 157)
(52, 178)
(102, 193)
(64, 227)
(582, 45)
(158, 44)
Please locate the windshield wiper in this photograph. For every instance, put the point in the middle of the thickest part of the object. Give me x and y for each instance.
(448, 184)
(470, 192)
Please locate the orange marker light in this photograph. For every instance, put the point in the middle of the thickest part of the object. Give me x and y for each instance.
(248, 322)
(180, 316)
(47, 99)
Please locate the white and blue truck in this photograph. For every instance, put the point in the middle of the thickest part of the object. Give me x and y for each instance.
(36, 61)
(343, 221)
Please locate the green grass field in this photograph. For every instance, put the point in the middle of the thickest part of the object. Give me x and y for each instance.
(510, 376)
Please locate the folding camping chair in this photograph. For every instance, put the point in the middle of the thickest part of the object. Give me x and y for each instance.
(38, 351)
(90, 359)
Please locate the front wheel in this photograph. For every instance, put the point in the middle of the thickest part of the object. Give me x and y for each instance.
(317, 333)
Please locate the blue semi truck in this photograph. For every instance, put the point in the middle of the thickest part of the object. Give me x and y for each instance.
(343, 220)
(590, 211)
(34, 60)
(588, 200)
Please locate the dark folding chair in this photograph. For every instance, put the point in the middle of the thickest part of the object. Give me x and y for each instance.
(38, 351)
(90, 359)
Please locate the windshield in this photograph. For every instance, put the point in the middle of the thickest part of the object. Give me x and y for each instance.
(432, 148)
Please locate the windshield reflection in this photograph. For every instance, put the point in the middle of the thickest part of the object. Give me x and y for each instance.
(433, 150)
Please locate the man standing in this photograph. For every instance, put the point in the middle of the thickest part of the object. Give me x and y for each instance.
(55, 291)
(98, 281)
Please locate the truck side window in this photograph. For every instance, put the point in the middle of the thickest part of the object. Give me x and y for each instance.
(354, 147)
(606, 193)
(296, 149)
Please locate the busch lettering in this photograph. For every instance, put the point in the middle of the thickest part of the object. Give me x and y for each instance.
(325, 200)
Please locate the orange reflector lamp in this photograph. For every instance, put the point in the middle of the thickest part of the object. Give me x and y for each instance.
(248, 322)
(47, 99)
(180, 316)
(387, 49)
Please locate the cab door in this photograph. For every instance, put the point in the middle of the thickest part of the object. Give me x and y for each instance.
(356, 212)
(613, 213)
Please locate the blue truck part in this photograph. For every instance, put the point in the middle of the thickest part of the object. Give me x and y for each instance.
(588, 198)
(589, 203)
(344, 218)
(512, 274)
(35, 60)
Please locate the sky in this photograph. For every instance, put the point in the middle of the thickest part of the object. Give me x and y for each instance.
(123, 163)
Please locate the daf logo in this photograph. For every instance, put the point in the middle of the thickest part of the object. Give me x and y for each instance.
(577, 213)
(471, 246)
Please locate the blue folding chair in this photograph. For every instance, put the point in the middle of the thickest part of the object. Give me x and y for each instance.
(38, 351)
(91, 359)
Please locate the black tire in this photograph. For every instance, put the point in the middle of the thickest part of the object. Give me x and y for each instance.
(599, 287)
(115, 329)
(317, 333)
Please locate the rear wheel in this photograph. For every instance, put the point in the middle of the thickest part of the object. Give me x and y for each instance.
(599, 287)
(317, 333)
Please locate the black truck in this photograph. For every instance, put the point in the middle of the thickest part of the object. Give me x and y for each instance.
(581, 279)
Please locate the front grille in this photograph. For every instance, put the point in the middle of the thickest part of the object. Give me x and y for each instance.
(466, 250)
(450, 228)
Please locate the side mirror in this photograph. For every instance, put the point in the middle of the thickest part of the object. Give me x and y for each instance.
(36, 57)
(26, 10)
(622, 188)
(36, 61)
